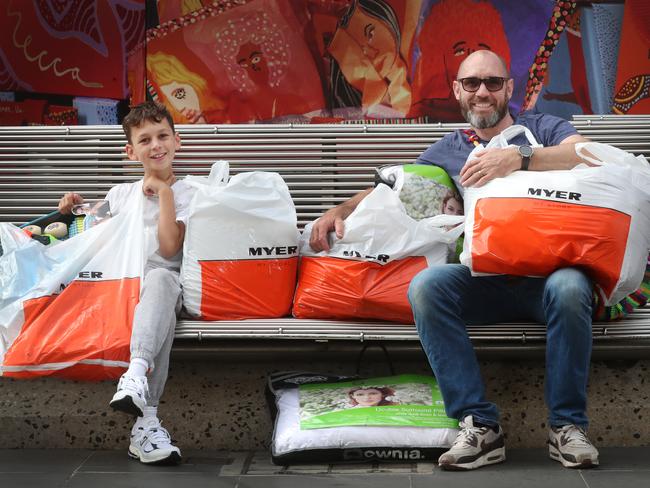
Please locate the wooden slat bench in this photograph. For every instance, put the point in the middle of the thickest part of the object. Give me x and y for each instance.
(323, 166)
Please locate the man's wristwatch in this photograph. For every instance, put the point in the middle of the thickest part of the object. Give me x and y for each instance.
(526, 153)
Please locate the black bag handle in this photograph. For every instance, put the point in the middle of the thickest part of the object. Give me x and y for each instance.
(365, 347)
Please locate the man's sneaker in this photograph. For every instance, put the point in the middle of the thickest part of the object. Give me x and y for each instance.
(131, 395)
(474, 447)
(570, 446)
(151, 443)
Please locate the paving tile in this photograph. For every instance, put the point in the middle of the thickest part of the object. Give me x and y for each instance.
(325, 481)
(499, 476)
(42, 460)
(396, 468)
(307, 469)
(596, 478)
(352, 468)
(33, 480)
(617, 458)
(120, 462)
(426, 468)
(153, 479)
(260, 464)
(237, 465)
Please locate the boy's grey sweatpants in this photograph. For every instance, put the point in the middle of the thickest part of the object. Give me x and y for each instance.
(154, 322)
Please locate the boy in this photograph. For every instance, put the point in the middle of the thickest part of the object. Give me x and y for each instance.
(152, 140)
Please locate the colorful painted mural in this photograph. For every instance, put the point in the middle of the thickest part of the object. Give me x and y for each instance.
(632, 94)
(245, 61)
(75, 47)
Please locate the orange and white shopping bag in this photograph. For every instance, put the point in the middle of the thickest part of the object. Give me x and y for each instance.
(67, 309)
(593, 217)
(240, 253)
(366, 274)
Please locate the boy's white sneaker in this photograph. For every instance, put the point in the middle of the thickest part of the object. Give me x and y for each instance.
(152, 444)
(131, 395)
(570, 445)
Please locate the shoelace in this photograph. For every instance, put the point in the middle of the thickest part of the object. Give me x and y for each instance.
(467, 436)
(575, 435)
(158, 435)
(134, 383)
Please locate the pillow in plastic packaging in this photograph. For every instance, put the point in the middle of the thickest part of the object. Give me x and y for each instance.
(425, 190)
(323, 418)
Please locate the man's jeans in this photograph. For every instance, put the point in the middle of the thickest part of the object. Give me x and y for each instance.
(445, 298)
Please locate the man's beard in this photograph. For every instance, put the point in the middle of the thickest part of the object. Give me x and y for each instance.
(485, 121)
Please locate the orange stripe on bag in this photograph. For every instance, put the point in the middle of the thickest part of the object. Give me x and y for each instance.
(249, 288)
(335, 288)
(87, 321)
(531, 237)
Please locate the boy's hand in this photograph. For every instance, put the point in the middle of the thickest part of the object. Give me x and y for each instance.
(68, 201)
(152, 185)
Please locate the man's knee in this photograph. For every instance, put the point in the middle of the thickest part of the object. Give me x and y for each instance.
(431, 284)
(568, 288)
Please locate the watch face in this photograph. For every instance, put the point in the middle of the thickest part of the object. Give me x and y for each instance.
(526, 151)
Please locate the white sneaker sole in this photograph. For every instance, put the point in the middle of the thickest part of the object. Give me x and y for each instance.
(173, 456)
(125, 402)
(493, 457)
(555, 454)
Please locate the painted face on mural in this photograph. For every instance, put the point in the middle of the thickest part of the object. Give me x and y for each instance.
(251, 58)
(452, 31)
(483, 109)
(375, 39)
(458, 52)
(181, 96)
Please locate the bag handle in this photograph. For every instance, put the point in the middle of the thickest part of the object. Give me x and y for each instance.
(455, 222)
(219, 172)
(365, 347)
(508, 133)
(603, 154)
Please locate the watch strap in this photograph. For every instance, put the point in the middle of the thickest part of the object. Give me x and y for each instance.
(526, 153)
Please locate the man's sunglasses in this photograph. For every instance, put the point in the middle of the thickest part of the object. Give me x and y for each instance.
(472, 83)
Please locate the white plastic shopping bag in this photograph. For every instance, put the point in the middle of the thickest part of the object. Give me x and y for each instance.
(240, 253)
(596, 218)
(67, 309)
(366, 274)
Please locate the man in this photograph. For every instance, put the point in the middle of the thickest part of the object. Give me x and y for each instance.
(445, 298)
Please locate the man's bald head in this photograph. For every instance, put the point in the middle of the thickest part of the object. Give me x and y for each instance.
(482, 58)
(482, 108)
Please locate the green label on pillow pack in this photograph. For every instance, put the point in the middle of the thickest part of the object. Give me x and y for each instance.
(405, 400)
(430, 172)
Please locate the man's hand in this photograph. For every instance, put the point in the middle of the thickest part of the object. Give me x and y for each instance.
(152, 185)
(332, 220)
(489, 164)
(68, 201)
